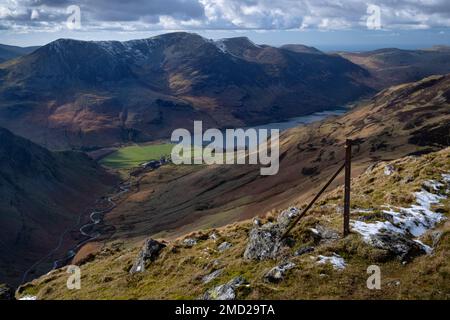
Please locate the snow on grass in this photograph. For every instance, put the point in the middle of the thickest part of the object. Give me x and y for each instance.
(335, 260)
(413, 221)
(28, 297)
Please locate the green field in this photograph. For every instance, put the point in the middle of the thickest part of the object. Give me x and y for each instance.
(133, 156)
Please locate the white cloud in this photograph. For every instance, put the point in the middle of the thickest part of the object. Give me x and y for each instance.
(226, 14)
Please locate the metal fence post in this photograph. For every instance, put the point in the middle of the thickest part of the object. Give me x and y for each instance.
(347, 189)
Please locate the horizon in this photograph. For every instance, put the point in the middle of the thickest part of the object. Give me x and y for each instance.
(323, 47)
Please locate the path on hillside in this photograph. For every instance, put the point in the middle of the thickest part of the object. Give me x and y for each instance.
(124, 188)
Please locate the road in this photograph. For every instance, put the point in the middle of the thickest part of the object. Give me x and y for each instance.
(124, 188)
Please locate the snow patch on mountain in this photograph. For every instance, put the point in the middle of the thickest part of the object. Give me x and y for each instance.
(413, 221)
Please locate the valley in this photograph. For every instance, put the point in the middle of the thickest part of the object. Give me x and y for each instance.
(84, 119)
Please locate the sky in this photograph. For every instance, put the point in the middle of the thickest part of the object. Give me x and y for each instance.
(326, 24)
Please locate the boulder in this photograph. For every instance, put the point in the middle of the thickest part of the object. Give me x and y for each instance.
(278, 273)
(397, 244)
(149, 253)
(224, 246)
(224, 291)
(265, 241)
(6, 292)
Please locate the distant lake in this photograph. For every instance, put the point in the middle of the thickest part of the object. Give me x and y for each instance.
(289, 123)
(303, 120)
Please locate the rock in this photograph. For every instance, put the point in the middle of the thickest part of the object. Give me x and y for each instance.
(6, 292)
(214, 236)
(213, 275)
(189, 242)
(408, 179)
(397, 244)
(303, 250)
(371, 168)
(224, 246)
(265, 241)
(278, 273)
(389, 170)
(224, 291)
(149, 252)
(257, 222)
(335, 260)
(324, 235)
(286, 217)
(436, 237)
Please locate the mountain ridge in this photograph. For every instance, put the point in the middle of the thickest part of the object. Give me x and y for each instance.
(104, 93)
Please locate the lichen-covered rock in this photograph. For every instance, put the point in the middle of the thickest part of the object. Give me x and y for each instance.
(287, 216)
(189, 242)
(389, 170)
(213, 275)
(278, 273)
(6, 292)
(214, 236)
(324, 235)
(397, 244)
(149, 252)
(225, 291)
(224, 246)
(265, 241)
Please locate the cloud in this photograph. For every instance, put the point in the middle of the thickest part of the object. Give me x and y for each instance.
(135, 15)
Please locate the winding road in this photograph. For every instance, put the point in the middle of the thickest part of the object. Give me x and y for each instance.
(95, 217)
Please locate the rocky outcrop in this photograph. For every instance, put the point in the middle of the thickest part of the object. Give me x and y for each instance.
(265, 241)
(397, 244)
(149, 253)
(225, 291)
(278, 273)
(6, 292)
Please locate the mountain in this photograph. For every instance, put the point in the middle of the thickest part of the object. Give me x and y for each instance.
(11, 52)
(407, 119)
(78, 94)
(393, 66)
(301, 48)
(248, 261)
(41, 194)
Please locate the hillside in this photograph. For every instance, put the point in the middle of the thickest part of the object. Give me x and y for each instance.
(85, 94)
(407, 119)
(11, 52)
(393, 66)
(41, 195)
(399, 221)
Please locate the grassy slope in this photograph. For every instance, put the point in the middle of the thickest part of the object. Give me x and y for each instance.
(176, 200)
(177, 273)
(133, 156)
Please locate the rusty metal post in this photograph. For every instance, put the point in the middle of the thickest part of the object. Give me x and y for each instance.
(347, 189)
